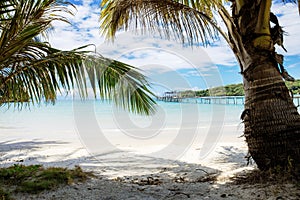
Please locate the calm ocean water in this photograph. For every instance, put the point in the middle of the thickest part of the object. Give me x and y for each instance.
(101, 128)
(68, 116)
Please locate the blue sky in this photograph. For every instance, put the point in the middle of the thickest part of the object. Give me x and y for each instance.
(167, 64)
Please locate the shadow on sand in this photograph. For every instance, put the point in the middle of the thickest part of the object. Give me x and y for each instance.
(125, 175)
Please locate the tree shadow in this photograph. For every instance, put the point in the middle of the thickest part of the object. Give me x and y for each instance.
(60, 153)
(233, 155)
(126, 175)
(39, 152)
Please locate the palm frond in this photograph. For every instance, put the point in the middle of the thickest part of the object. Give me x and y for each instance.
(171, 18)
(41, 77)
(121, 83)
(205, 6)
(6, 7)
(32, 69)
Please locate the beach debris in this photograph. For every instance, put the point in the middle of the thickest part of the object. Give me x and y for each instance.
(163, 170)
(223, 195)
(180, 193)
(149, 180)
(198, 169)
(179, 179)
(209, 178)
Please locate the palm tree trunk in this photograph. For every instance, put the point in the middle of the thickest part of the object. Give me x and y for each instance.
(272, 123)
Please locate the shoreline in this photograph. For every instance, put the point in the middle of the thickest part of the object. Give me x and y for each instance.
(124, 175)
(71, 152)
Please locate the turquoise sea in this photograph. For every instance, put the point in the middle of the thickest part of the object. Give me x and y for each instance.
(70, 116)
(100, 127)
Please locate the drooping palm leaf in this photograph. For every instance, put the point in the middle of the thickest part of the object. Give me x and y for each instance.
(120, 82)
(6, 7)
(205, 6)
(172, 18)
(30, 68)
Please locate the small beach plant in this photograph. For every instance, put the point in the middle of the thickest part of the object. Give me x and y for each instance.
(272, 122)
(36, 178)
(31, 71)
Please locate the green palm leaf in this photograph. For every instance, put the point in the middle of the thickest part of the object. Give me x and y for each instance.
(31, 68)
(188, 21)
(120, 82)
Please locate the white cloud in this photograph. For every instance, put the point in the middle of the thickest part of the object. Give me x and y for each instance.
(84, 28)
(290, 20)
(155, 53)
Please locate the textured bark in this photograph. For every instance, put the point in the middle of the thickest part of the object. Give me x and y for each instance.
(272, 122)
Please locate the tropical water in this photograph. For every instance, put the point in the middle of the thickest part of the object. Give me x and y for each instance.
(69, 119)
(72, 130)
(68, 115)
(60, 116)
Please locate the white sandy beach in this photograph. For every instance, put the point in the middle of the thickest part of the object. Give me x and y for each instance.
(68, 150)
(163, 166)
(134, 175)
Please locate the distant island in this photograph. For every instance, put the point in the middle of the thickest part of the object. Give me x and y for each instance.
(230, 90)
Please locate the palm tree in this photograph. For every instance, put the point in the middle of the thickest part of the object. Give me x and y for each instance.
(30, 69)
(272, 122)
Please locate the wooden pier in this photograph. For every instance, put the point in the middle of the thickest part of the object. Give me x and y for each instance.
(170, 97)
(213, 100)
(216, 100)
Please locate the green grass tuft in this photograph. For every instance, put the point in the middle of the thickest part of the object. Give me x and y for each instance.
(36, 178)
(4, 195)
